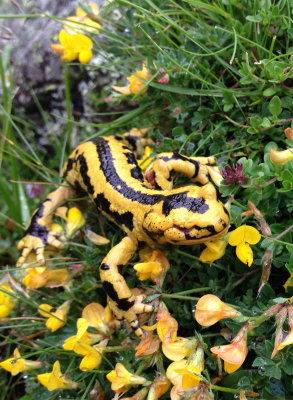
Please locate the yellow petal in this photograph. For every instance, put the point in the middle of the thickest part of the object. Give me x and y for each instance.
(288, 340)
(44, 310)
(244, 233)
(57, 48)
(214, 250)
(230, 368)
(75, 221)
(244, 253)
(177, 350)
(57, 277)
(122, 89)
(95, 315)
(281, 157)
(95, 238)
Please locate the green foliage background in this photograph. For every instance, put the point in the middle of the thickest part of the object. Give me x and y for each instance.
(229, 94)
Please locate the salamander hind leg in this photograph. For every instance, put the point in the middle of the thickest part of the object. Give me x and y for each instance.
(124, 305)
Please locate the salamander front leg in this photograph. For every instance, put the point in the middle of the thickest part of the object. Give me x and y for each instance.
(38, 234)
(122, 302)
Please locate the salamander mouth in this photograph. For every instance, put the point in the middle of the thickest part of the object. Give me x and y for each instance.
(188, 233)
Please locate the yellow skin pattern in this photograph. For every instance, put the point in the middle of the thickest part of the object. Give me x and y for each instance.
(106, 169)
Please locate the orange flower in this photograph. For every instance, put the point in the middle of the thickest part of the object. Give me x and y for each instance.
(234, 353)
(159, 387)
(136, 82)
(210, 309)
(149, 344)
(167, 327)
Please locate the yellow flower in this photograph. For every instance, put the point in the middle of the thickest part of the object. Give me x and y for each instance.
(210, 309)
(55, 380)
(83, 336)
(73, 46)
(281, 157)
(57, 319)
(234, 353)
(42, 276)
(7, 302)
(146, 158)
(179, 349)
(240, 238)
(16, 364)
(148, 270)
(92, 355)
(185, 373)
(98, 317)
(288, 283)
(136, 82)
(82, 21)
(75, 221)
(120, 377)
(214, 250)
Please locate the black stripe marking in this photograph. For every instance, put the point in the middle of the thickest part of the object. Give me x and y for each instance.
(34, 228)
(120, 219)
(123, 304)
(84, 173)
(177, 156)
(169, 202)
(69, 166)
(112, 177)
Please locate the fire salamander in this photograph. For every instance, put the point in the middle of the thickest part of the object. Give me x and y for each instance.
(106, 168)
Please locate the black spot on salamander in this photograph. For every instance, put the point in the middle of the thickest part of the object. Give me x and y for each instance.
(125, 147)
(123, 304)
(132, 140)
(136, 173)
(118, 137)
(120, 219)
(104, 267)
(84, 173)
(111, 175)
(180, 200)
(34, 228)
(130, 158)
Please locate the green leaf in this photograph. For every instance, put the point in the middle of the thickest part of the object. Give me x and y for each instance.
(254, 18)
(269, 92)
(275, 106)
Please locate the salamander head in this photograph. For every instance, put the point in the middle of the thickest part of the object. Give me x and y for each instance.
(188, 215)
